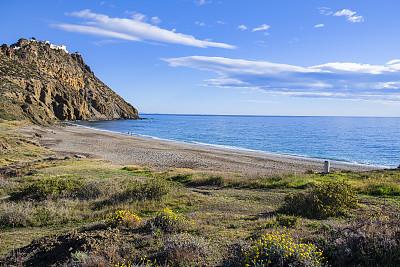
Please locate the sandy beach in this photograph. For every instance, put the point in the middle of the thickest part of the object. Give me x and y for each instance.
(161, 155)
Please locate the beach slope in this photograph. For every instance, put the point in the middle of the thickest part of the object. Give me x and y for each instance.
(161, 155)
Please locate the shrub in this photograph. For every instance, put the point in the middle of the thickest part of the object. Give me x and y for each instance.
(90, 190)
(324, 200)
(152, 189)
(123, 218)
(48, 188)
(182, 178)
(210, 180)
(287, 220)
(14, 215)
(371, 242)
(155, 189)
(168, 221)
(280, 250)
(184, 250)
(384, 189)
(271, 224)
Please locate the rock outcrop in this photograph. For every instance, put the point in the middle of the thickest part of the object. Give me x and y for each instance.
(43, 84)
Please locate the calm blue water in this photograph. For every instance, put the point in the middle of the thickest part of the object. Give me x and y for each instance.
(372, 141)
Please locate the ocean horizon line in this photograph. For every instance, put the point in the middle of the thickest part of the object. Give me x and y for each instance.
(244, 115)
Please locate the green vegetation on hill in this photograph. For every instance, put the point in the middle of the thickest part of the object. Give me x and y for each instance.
(83, 212)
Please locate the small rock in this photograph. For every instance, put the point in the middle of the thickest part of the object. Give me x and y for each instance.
(80, 156)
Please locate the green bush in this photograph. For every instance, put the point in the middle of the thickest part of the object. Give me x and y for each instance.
(181, 178)
(91, 190)
(287, 220)
(384, 189)
(152, 189)
(210, 180)
(155, 189)
(48, 188)
(323, 201)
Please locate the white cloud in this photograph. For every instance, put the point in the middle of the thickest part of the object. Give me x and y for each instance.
(394, 61)
(139, 17)
(96, 31)
(241, 27)
(155, 20)
(134, 30)
(349, 14)
(220, 22)
(351, 81)
(319, 25)
(200, 23)
(263, 27)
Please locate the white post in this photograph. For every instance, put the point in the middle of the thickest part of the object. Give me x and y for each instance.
(327, 166)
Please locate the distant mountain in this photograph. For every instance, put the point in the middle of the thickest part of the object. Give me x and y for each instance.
(42, 82)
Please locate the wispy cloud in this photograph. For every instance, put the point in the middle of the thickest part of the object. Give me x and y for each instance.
(242, 27)
(263, 27)
(325, 11)
(202, 2)
(349, 14)
(134, 29)
(319, 25)
(262, 101)
(139, 16)
(353, 81)
(200, 23)
(155, 20)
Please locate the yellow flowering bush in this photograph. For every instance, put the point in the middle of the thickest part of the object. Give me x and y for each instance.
(168, 221)
(280, 250)
(122, 218)
(144, 262)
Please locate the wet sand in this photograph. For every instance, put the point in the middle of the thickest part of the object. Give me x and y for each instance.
(161, 155)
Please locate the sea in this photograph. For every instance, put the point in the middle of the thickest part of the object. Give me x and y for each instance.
(354, 140)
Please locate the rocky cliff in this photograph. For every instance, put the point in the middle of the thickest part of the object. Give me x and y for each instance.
(43, 83)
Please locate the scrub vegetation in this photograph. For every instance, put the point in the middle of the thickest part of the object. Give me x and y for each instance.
(83, 212)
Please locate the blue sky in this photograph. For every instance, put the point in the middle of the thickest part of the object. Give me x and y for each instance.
(254, 57)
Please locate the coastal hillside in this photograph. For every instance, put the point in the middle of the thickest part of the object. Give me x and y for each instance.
(42, 82)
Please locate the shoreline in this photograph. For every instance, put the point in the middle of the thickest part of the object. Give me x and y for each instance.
(235, 148)
(124, 149)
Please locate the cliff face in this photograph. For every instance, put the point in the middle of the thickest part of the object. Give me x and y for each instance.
(43, 84)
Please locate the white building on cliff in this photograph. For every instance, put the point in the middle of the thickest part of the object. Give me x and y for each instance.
(56, 47)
